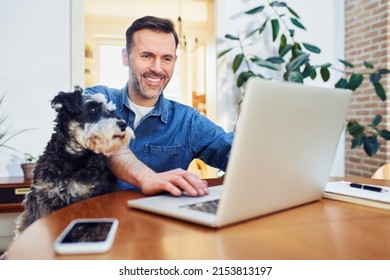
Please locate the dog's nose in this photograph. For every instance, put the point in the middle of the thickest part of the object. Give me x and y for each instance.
(122, 125)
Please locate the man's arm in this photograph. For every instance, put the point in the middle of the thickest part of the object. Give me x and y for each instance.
(128, 168)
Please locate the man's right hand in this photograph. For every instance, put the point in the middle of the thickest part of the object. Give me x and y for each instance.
(175, 182)
(128, 168)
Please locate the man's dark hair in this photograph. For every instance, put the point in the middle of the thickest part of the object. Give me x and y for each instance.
(151, 23)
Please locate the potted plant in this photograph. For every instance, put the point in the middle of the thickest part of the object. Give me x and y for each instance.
(28, 166)
(290, 61)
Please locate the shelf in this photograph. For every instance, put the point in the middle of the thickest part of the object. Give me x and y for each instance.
(12, 192)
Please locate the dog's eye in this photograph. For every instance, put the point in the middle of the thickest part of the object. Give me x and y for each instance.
(94, 110)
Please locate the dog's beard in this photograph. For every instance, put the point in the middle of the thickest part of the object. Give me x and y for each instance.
(103, 137)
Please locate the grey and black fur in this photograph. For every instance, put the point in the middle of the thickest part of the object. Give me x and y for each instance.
(73, 166)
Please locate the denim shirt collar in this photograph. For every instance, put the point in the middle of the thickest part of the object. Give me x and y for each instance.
(160, 110)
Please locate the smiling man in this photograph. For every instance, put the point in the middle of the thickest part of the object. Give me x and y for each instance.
(151, 59)
(168, 135)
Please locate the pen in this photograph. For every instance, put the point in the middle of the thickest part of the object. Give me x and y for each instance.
(366, 187)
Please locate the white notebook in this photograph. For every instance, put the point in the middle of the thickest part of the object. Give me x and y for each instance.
(365, 194)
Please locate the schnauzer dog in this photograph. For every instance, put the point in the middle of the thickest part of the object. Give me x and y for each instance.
(73, 166)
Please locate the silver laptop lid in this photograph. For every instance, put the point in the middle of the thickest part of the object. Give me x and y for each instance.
(285, 142)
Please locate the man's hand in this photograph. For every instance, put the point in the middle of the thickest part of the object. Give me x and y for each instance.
(128, 168)
(175, 182)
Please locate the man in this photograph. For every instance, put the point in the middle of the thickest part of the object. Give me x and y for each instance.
(169, 135)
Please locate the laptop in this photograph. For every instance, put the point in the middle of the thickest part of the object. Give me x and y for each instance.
(285, 142)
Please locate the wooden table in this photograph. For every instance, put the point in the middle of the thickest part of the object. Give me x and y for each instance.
(326, 229)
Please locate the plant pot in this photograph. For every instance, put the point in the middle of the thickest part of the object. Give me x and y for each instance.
(28, 169)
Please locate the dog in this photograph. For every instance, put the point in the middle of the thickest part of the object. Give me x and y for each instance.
(73, 166)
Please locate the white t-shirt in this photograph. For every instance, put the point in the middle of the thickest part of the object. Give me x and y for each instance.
(140, 112)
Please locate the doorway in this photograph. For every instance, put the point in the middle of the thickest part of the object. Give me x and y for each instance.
(106, 22)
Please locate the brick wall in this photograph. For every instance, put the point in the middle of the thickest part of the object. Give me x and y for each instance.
(367, 35)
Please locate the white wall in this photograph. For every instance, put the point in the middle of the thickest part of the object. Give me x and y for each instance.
(324, 21)
(35, 64)
(41, 53)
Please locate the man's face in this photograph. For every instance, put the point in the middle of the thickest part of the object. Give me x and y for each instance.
(151, 63)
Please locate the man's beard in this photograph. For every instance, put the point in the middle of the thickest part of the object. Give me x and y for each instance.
(148, 92)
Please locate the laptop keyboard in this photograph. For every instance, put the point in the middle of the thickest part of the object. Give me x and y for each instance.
(207, 206)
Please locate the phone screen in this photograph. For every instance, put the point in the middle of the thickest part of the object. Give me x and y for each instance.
(88, 232)
(87, 236)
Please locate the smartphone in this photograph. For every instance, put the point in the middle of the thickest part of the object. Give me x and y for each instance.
(83, 236)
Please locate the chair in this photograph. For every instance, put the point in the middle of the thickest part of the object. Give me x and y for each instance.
(382, 172)
(198, 167)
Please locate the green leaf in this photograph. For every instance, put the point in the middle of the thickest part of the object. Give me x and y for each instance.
(297, 23)
(265, 64)
(357, 141)
(285, 50)
(368, 65)
(294, 64)
(297, 50)
(377, 119)
(283, 42)
(263, 26)
(384, 71)
(380, 91)
(222, 53)
(342, 83)
(276, 60)
(244, 76)
(240, 80)
(308, 70)
(237, 61)
(293, 12)
(371, 145)
(354, 128)
(385, 134)
(375, 77)
(311, 48)
(7, 136)
(326, 65)
(346, 63)
(231, 37)
(278, 4)
(259, 29)
(295, 77)
(255, 10)
(252, 32)
(313, 74)
(325, 74)
(355, 81)
(275, 29)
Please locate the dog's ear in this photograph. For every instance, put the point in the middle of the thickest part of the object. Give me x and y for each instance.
(69, 101)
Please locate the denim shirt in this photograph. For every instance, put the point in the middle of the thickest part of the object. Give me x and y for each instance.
(171, 135)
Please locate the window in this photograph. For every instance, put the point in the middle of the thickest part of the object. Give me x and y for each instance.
(112, 73)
